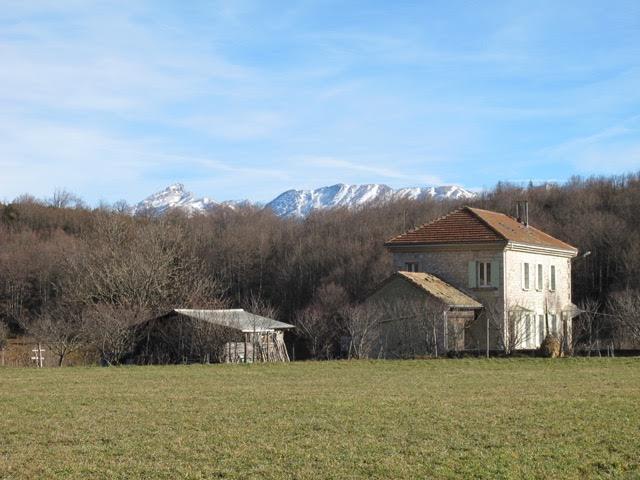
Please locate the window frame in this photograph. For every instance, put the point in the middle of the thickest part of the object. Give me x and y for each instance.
(527, 329)
(539, 273)
(552, 278)
(541, 333)
(526, 276)
(553, 323)
(483, 274)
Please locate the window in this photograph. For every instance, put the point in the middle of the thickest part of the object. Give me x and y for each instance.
(540, 328)
(552, 278)
(539, 277)
(525, 276)
(484, 274)
(411, 266)
(553, 320)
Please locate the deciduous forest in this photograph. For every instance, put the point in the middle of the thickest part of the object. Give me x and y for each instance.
(64, 265)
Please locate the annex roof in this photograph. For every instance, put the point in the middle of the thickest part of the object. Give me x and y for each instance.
(438, 288)
(474, 225)
(237, 319)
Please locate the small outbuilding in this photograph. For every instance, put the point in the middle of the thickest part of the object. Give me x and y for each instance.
(421, 315)
(206, 336)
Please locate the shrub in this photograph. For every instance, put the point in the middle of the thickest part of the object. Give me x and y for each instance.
(550, 347)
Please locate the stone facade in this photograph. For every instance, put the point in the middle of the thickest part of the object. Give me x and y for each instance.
(513, 314)
(415, 324)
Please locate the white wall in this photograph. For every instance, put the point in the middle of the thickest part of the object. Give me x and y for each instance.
(540, 301)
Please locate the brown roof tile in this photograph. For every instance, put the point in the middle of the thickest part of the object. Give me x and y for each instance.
(474, 225)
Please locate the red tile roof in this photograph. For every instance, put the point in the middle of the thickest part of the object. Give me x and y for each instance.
(474, 225)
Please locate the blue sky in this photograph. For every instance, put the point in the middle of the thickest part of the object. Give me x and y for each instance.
(245, 99)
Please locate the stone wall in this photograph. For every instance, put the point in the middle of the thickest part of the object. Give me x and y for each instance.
(451, 264)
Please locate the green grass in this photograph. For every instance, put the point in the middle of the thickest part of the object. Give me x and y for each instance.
(520, 418)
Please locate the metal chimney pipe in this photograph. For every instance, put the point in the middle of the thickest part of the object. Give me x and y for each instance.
(522, 212)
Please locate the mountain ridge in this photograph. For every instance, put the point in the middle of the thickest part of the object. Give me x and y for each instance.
(299, 203)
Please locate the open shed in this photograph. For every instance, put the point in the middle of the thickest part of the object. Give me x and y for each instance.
(205, 336)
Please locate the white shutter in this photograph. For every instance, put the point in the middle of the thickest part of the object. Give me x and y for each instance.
(495, 273)
(472, 274)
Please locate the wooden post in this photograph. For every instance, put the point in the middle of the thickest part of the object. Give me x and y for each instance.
(486, 314)
(445, 332)
(268, 335)
(245, 347)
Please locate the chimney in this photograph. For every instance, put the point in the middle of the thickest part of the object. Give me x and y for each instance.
(522, 212)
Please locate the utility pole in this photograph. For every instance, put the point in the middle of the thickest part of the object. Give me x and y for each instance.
(487, 317)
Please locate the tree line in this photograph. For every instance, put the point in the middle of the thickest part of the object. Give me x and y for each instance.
(79, 275)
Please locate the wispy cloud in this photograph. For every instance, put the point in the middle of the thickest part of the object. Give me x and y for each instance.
(378, 171)
(241, 99)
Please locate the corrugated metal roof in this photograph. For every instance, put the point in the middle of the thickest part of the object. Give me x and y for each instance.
(238, 319)
(474, 225)
(448, 294)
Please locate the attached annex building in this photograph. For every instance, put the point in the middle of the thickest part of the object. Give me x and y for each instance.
(519, 277)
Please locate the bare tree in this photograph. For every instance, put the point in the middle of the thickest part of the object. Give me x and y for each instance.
(109, 329)
(589, 328)
(64, 199)
(317, 332)
(510, 331)
(411, 328)
(60, 329)
(361, 323)
(4, 335)
(255, 303)
(121, 207)
(625, 308)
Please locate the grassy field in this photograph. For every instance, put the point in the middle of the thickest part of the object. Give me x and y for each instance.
(520, 418)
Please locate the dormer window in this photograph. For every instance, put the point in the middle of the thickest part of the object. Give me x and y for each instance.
(411, 267)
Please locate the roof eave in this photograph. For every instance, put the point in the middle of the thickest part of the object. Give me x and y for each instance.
(443, 244)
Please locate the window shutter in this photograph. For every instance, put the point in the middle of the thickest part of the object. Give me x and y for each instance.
(495, 274)
(522, 275)
(472, 275)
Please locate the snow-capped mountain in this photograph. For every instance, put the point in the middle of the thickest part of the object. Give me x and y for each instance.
(300, 203)
(174, 197)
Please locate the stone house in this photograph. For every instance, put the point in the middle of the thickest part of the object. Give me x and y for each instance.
(520, 275)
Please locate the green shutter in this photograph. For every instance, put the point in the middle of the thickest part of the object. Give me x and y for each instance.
(472, 275)
(495, 273)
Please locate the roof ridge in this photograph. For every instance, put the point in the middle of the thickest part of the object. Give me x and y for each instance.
(434, 278)
(485, 222)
